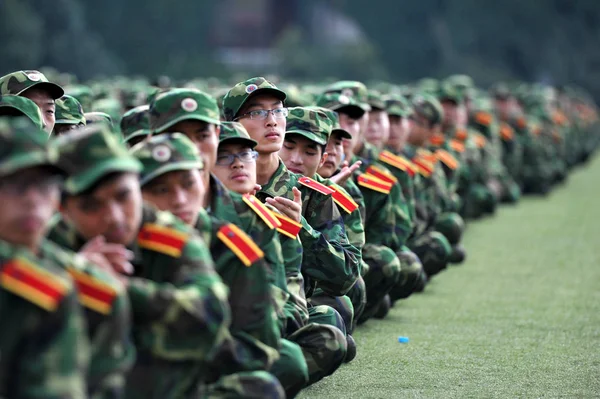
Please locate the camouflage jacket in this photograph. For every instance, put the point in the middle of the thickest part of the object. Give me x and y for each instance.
(242, 267)
(329, 260)
(107, 312)
(44, 347)
(371, 158)
(283, 255)
(179, 306)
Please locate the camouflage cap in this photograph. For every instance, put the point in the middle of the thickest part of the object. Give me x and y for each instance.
(428, 85)
(375, 101)
(166, 153)
(23, 145)
(235, 131)
(98, 118)
(16, 106)
(237, 96)
(311, 123)
(500, 91)
(354, 89)
(461, 81)
(398, 105)
(341, 103)
(83, 94)
(429, 107)
(69, 111)
(136, 122)
(90, 153)
(176, 105)
(449, 92)
(17, 82)
(334, 118)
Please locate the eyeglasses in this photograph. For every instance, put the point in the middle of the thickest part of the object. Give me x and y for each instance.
(18, 186)
(262, 114)
(229, 159)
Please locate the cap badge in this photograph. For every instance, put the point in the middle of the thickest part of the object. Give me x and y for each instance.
(189, 105)
(347, 92)
(161, 153)
(34, 76)
(251, 88)
(343, 99)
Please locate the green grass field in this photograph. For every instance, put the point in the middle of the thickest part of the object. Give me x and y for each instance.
(520, 319)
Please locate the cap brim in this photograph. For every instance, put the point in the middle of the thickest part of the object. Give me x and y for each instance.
(251, 143)
(79, 183)
(266, 90)
(161, 129)
(137, 133)
(66, 122)
(55, 90)
(353, 111)
(188, 165)
(343, 133)
(30, 160)
(309, 136)
(377, 107)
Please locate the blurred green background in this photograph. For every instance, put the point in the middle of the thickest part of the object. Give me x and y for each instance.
(549, 41)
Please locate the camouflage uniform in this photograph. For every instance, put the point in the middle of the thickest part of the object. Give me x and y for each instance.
(329, 260)
(179, 304)
(438, 167)
(44, 347)
(181, 104)
(108, 317)
(253, 323)
(476, 197)
(351, 98)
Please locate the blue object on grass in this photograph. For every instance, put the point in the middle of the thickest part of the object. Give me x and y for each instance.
(403, 340)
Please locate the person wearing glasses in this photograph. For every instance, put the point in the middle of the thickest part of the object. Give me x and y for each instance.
(329, 259)
(171, 181)
(195, 114)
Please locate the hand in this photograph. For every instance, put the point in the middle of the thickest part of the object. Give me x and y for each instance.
(289, 208)
(108, 256)
(346, 171)
(257, 188)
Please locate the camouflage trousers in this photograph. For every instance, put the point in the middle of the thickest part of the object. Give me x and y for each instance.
(477, 201)
(412, 276)
(451, 225)
(291, 369)
(154, 378)
(322, 341)
(383, 274)
(433, 250)
(250, 384)
(349, 306)
(511, 192)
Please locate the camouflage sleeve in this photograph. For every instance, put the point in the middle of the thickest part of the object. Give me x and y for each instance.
(353, 221)
(284, 257)
(295, 308)
(54, 355)
(255, 333)
(381, 224)
(113, 352)
(188, 317)
(329, 258)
